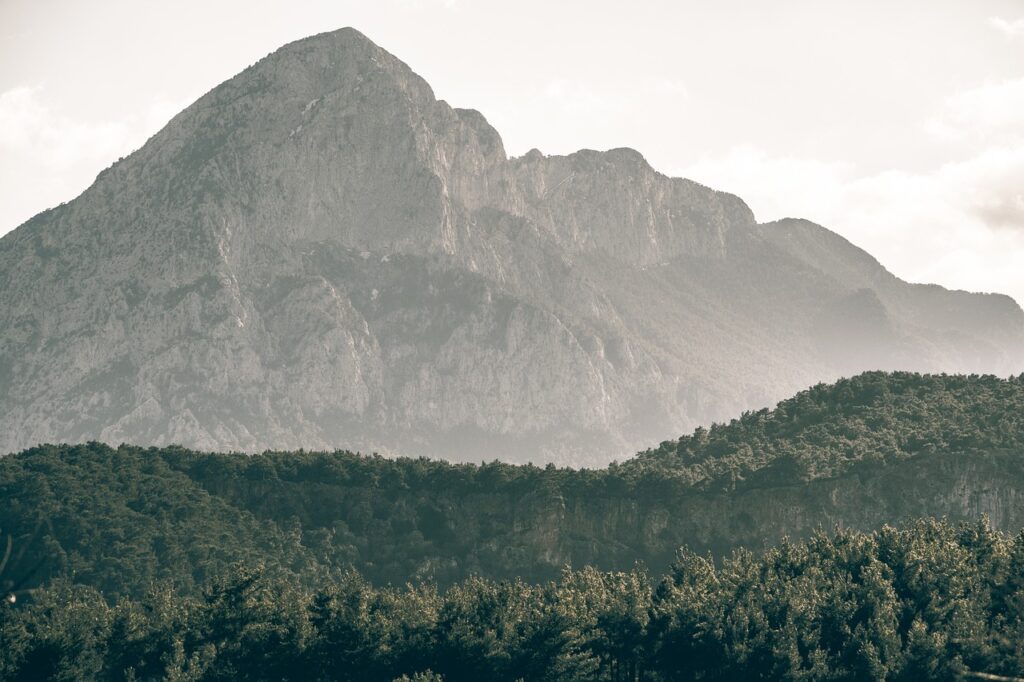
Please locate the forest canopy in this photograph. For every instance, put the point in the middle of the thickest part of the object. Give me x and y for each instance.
(120, 519)
(927, 602)
(872, 418)
(165, 563)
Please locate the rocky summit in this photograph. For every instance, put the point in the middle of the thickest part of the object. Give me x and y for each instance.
(318, 253)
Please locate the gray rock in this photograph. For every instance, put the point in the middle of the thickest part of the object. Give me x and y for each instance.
(318, 253)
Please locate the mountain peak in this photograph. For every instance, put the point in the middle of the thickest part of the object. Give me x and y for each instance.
(319, 253)
(346, 35)
(344, 42)
(336, 61)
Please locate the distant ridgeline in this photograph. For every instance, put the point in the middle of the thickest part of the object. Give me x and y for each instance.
(875, 449)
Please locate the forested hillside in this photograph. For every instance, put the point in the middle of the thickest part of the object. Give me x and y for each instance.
(930, 602)
(875, 449)
(873, 418)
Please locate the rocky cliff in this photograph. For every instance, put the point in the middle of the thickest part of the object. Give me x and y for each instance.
(319, 253)
(395, 533)
(404, 520)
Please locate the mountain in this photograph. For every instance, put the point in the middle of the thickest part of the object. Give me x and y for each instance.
(872, 450)
(319, 253)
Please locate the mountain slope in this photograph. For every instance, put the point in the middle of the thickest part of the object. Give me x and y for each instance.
(320, 253)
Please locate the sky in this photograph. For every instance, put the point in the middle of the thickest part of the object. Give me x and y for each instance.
(899, 125)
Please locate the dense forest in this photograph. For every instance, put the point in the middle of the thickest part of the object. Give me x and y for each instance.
(142, 563)
(830, 429)
(873, 449)
(932, 601)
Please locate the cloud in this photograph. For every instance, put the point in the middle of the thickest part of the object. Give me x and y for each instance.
(48, 156)
(576, 98)
(585, 102)
(993, 109)
(994, 186)
(670, 86)
(1011, 29)
(31, 127)
(774, 186)
(28, 126)
(960, 224)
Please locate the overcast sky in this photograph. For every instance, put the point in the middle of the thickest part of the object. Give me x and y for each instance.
(898, 124)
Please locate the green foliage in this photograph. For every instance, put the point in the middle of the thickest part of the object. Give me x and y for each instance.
(121, 519)
(872, 419)
(926, 602)
(138, 564)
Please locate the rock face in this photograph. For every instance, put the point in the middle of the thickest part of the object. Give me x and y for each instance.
(319, 253)
(534, 534)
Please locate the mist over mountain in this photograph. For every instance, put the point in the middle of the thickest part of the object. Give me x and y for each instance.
(319, 253)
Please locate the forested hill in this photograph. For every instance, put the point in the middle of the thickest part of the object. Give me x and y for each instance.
(875, 449)
(873, 418)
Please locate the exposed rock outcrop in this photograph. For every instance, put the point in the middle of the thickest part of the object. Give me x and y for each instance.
(319, 253)
(535, 533)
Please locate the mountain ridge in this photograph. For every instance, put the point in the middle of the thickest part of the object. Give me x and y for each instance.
(318, 252)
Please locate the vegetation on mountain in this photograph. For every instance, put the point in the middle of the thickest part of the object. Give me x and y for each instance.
(122, 519)
(873, 418)
(165, 563)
